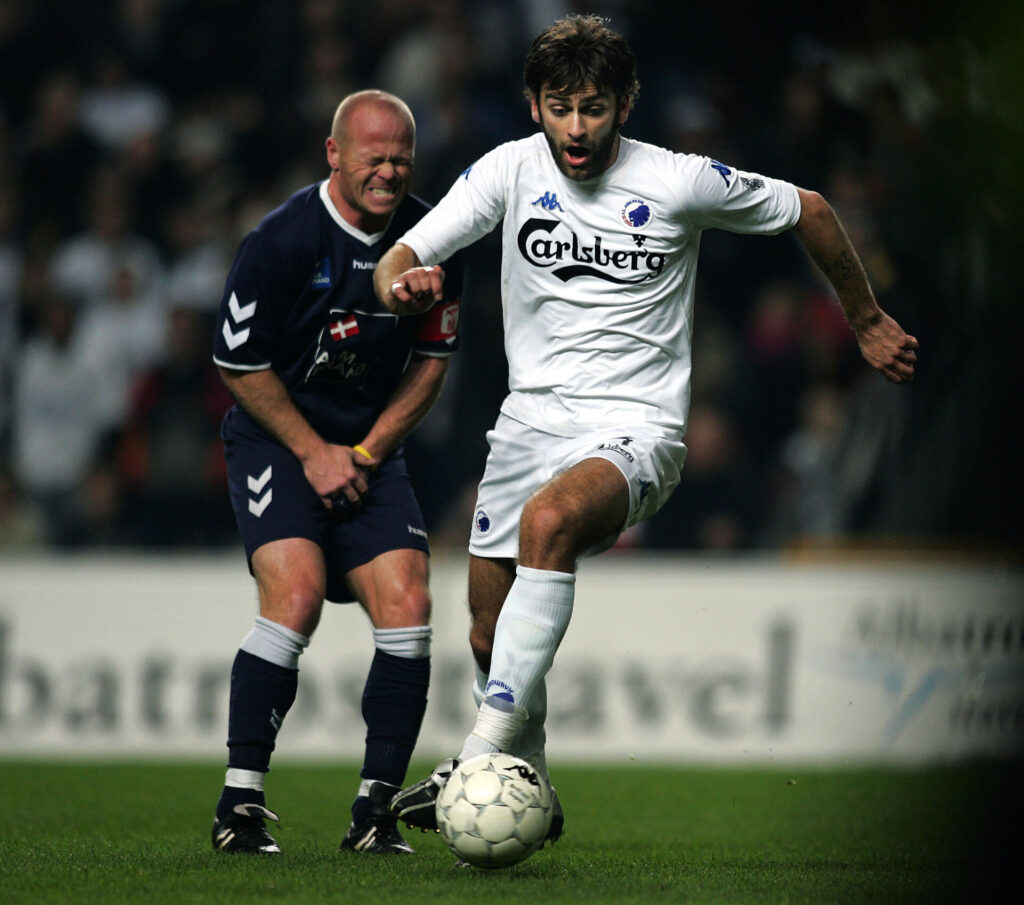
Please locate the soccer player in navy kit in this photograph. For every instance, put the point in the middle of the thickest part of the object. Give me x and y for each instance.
(328, 384)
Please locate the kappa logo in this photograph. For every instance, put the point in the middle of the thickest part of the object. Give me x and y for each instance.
(722, 170)
(549, 202)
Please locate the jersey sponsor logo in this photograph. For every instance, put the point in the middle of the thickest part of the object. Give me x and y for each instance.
(722, 170)
(541, 248)
(344, 328)
(336, 359)
(549, 202)
(322, 274)
(637, 214)
(481, 521)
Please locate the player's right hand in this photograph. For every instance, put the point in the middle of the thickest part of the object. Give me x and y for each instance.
(335, 477)
(416, 290)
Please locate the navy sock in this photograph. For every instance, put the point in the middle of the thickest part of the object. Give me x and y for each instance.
(394, 700)
(261, 695)
(230, 796)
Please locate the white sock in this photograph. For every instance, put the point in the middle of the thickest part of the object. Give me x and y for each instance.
(497, 724)
(529, 744)
(479, 684)
(244, 779)
(274, 643)
(530, 628)
(412, 643)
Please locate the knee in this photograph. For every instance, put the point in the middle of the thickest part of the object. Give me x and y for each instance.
(549, 537)
(296, 605)
(412, 605)
(405, 605)
(545, 523)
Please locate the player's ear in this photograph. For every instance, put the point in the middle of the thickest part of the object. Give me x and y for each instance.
(534, 108)
(624, 108)
(332, 153)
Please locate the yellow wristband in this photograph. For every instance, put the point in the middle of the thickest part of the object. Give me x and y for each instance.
(363, 452)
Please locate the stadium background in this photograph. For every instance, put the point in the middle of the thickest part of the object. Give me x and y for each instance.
(140, 140)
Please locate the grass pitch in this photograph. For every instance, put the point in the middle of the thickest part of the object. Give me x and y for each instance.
(139, 833)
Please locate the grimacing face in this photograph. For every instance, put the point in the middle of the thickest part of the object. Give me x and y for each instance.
(372, 160)
(582, 129)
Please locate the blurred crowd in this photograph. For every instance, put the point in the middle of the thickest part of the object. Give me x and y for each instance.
(141, 139)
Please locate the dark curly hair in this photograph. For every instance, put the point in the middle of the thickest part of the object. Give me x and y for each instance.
(578, 51)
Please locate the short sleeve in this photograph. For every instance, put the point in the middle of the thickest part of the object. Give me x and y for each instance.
(722, 197)
(474, 205)
(250, 312)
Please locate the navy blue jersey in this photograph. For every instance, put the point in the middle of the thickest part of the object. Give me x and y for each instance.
(299, 299)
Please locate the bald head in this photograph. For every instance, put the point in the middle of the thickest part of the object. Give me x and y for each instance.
(370, 152)
(371, 107)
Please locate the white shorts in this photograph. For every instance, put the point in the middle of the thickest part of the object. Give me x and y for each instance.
(523, 458)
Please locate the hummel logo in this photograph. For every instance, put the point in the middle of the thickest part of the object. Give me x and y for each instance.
(257, 505)
(256, 485)
(238, 313)
(549, 201)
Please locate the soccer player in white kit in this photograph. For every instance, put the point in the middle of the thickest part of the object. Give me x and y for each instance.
(600, 239)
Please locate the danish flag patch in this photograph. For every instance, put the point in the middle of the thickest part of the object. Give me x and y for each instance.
(344, 328)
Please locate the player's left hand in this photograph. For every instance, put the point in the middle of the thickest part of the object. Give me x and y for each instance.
(416, 290)
(889, 349)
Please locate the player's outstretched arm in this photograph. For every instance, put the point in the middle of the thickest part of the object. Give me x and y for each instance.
(404, 285)
(883, 343)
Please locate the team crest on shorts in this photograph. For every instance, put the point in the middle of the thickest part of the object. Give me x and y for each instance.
(481, 522)
(637, 214)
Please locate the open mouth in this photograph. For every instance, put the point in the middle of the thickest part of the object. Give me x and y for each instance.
(382, 194)
(576, 155)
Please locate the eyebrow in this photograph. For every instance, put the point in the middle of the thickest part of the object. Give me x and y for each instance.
(566, 98)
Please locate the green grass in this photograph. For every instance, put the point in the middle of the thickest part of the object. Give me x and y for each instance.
(139, 833)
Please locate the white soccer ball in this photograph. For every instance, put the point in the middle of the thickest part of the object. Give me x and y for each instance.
(494, 810)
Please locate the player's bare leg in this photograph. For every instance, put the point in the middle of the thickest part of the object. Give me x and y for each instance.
(489, 583)
(393, 589)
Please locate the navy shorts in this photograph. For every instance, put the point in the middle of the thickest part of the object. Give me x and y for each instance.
(273, 500)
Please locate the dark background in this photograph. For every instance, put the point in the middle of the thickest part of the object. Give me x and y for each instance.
(140, 140)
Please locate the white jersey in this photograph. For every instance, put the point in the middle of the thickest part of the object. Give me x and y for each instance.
(597, 277)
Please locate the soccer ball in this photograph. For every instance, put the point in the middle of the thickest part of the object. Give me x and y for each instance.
(494, 810)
